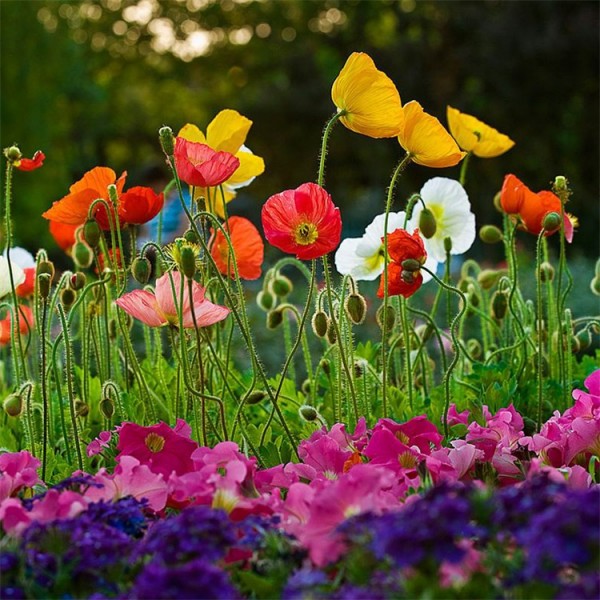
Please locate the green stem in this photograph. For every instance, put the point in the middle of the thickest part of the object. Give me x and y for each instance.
(324, 142)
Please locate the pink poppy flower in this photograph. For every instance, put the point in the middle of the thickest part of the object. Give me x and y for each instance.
(163, 449)
(304, 222)
(200, 165)
(96, 445)
(17, 470)
(158, 309)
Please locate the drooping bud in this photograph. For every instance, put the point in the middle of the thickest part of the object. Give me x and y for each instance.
(189, 235)
(13, 153)
(584, 337)
(45, 267)
(595, 286)
(256, 396)
(91, 233)
(13, 405)
(78, 281)
(265, 300)
(474, 348)
(356, 308)
(274, 319)
(320, 322)
(410, 265)
(390, 316)
(305, 387)
(188, 261)
(490, 234)
(281, 286)
(82, 255)
(325, 366)
(427, 223)
(81, 408)
(499, 305)
(472, 296)
(497, 203)
(67, 297)
(551, 221)
(488, 278)
(308, 413)
(331, 333)
(107, 408)
(447, 244)
(44, 285)
(167, 140)
(140, 269)
(546, 272)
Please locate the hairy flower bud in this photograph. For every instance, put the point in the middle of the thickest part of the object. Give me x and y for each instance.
(488, 278)
(305, 387)
(411, 265)
(140, 269)
(91, 232)
(308, 413)
(474, 348)
(281, 286)
(81, 408)
(356, 308)
(390, 316)
(67, 297)
(551, 221)
(499, 305)
(13, 405)
(167, 140)
(447, 244)
(584, 338)
(274, 319)
(13, 153)
(82, 255)
(331, 333)
(560, 183)
(427, 223)
(107, 407)
(44, 285)
(265, 300)
(189, 235)
(595, 286)
(490, 234)
(325, 366)
(188, 261)
(45, 267)
(256, 396)
(77, 280)
(546, 272)
(320, 322)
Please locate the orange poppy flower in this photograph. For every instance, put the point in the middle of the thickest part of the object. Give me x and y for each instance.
(25, 323)
(248, 249)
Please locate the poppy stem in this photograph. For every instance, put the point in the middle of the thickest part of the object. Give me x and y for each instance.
(540, 327)
(324, 142)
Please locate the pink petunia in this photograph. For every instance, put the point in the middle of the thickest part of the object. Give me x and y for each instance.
(159, 309)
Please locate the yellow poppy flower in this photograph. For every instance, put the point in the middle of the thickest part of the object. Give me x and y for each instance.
(475, 136)
(368, 98)
(426, 139)
(227, 132)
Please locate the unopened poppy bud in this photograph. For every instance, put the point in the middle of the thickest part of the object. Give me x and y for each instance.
(325, 366)
(497, 203)
(474, 348)
(546, 272)
(107, 408)
(112, 329)
(356, 308)
(584, 337)
(472, 296)
(81, 408)
(308, 413)
(45, 267)
(13, 153)
(411, 265)
(281, 286)
(551, 221)
(67, 297)
(427, 223)
(82, 255)
(191, 236)
(595, 286)
(256, 396)
(188, 261)
(407, 277)
(77, 281)
(91, 232)
(499, 305)
(488, 278)
(319, 323)
(167, 140)
(331, 333)
(113, 193)
(390, 316)
(447, 244)
(140, 269)
(560, 183)
(490, 234)
(13, 405)
(265, 300)
(274, 319)
(44, 285)
(305, 387)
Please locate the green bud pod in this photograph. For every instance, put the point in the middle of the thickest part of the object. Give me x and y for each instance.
(331, 334)
(281, 286)
(67, 297)
(305, 387)
(488, 278)
(473, 296)
(407, 277)
(356, 308)
(140, 269)
(560, 183)
(497, 203)
(13, 405)
(308, 413)
(584, 338)
(265, 300)
(45, 267)
(81, 408)
(274, 319)
(325, 366)
(78, 281)
(167, 140)
(490, 234)
(551, 221)
(474, 348)
(44, 285)
(256, 396)
(107, 408)
(92, 233)
(82, 255)
(112, 329)
(447, 244)
(113, 193)
(595, 286)
(411, 265)
(499, 305)
(13, 153)
(191, 236)
(427, 223)
(546, 272)
(390, 316)
(320, 322)
(188, 261)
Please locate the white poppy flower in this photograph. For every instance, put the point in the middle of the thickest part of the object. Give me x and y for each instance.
(449, 203)
(362, 258)
(18, 276)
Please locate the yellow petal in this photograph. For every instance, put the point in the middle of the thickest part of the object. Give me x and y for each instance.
(191, 133)
(426, 139)
(474, 135)
(368, 98)
(214, 201)
(228, 131)
(250, 166)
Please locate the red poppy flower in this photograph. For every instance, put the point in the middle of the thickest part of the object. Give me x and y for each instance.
(30, 164)
(63, 234)
(248, 248)
(28, 286)
(304, 222)
(403, 246)
(139, 205)
(198, 164)
(25, 323)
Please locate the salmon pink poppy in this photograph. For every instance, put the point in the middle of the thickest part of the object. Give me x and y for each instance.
(403, 246)
(248, 249)
(159, 308)
(30, 164)
(198, 164)
(304, 221)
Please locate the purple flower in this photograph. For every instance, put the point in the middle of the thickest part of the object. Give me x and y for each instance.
(305, 583)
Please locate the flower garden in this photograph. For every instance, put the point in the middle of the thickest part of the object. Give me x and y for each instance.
(408, 446)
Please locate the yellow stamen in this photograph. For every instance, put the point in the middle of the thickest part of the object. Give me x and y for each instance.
(154, 442)
(306, 233)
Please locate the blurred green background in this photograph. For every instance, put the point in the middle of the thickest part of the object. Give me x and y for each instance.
(91, 82)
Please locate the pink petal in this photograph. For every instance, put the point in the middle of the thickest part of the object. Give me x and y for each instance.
(143, 306)
(206, 313)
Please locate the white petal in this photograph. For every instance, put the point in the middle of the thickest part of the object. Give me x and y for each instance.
(444, 191)
(349, 262)
(21, 257)
(374, 231)
(18, 276)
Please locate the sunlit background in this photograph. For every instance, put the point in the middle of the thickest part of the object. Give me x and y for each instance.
(90, 83)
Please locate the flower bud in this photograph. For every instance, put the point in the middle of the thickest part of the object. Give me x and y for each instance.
(320, 322)
(77, 281)
(584, 338)
(390, 317)
(356, 308)
(560, 183)
(256, 396)
(81, 408)
(45, 267)
(82, 255)
(331, 334)
(305, 387)
(113, 194)
(490, 234)
(274, 319)
(67, 297)
(13, 405)
(410, 265)
(595, 286)
(13, 153)
(308, 413)
(265, 300)
(488, 278)
(497, 203)
(190, 236)
(188, 261)
(551, 221)
(44, 285)
(447, 244)
(107, 408)
(91, 233)
(546, 272)
(325, 366)
(281, 286)
(140, 269)
(112, 329)
(472, 296)
(427, 224)
(167, 140)
(474, 348)
(499, 305)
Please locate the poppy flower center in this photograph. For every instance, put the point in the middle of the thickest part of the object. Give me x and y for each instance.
(154, 442)
(306, 233)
